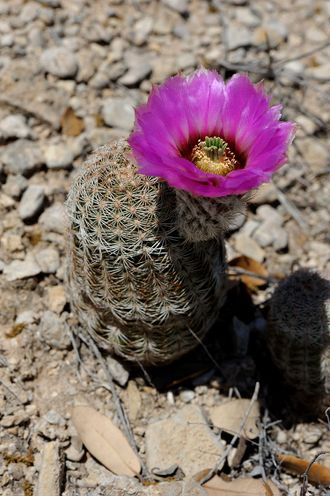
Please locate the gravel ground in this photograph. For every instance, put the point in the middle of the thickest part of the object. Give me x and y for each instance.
(70, 72)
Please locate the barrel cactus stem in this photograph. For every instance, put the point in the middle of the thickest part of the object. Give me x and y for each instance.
(299, 337)
(146, 260)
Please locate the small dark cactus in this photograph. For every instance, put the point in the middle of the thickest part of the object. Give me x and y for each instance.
(299, 337)
(146, 270)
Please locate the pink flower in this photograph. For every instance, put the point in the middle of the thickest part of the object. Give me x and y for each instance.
(209, 137)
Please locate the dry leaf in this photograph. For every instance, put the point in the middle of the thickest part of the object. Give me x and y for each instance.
(245, 486)
(71, 124)
(105, 441)
(250, 265)
(318, 473)
(229, 415)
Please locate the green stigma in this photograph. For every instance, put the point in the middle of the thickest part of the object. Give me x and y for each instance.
(214, 155)
(214, 147)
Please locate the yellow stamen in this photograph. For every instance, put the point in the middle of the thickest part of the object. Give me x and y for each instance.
(214, 155)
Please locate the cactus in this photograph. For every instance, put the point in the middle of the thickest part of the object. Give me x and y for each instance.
(146, 254)
(137, 281)
(299, 336)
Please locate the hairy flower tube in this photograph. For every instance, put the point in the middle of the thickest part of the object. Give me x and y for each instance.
(209, 137)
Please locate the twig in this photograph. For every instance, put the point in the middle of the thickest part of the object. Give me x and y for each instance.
(304, 488)
(304, 54)
(200, 342)
(327, 414)
(5, 385)
(291, 209)
(118, 404)
(215, 469)
(81, 363)
(238, 271)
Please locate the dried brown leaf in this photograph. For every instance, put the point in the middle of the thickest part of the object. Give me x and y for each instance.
(71, 124)
(318, 473)
(250, 265)
(244, 486)
(105, 441)
(229, 416)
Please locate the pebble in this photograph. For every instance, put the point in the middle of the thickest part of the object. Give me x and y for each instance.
(281, 437)
(6, 201)
(48, 260)
(180, 6)
(59, 156)
(7, 40)
(138, 70)
(22, 157)
(16, 471)
(60, 62)
(22, 269)
(56, 298)
(249, 247)
(268, 213)
(119, 112)
(183, 439)
(266, 193)
(50, 3)
(141, 31)
(54, 418)
(76, 451)
(312, 436)
(315, 154)
(305, 125)
(185, 60)
(271, 33)
(53, 219)
(187, 396)
(51, 472)
(250, 226)
(32, 202)
(118, 371)
(54, 330)
(107, 72)
(271, 233)
(26, 317)
(14, 126)
(18, 418)
(29, 12)
(322, 71)
(246, 16)
(87, 63)
(15, 185)
(237, 36)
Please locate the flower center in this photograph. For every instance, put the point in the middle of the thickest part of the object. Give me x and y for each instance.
(214, 155)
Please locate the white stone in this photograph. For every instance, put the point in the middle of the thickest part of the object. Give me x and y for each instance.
(60, 62)
(22, 269)
(249, 247)
(51, 472)
(48, 260)
(21, 157)
(56, 298)
(32, 202)
(14, 126)
(184, 439)
(53, 219)
(59, 156)
(119, 112)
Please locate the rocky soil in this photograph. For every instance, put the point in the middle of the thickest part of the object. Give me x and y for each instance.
(70, 73)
